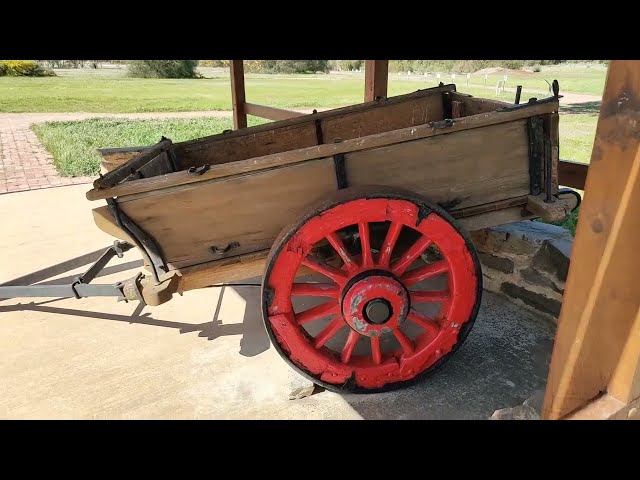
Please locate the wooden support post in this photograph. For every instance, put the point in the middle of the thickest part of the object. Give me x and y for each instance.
(376, 76)
(597, 346)
(237, 94)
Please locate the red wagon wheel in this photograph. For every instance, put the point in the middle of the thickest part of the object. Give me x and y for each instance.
(374, 250)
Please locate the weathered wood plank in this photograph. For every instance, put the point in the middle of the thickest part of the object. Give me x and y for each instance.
(602, 294)
(376, 78)
(385, 118)
(474, 106)
(469, 168)
(607, 407)
(121, 172)
(227, 270)
(572, 174)
(249, 209)
(270, 113)
(319, 151)
(238, 148)
(238, 94)
(625, 382)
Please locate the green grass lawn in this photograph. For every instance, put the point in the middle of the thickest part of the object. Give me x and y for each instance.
(572, 78)
(73, 144)
(109, 91)
(125, 95)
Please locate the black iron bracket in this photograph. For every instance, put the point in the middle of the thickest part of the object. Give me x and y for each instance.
(536, 154)
(447, 106)
(533, 101)
(319, 134)
(197, 171)
(215, 250)
(341, 171)
(147, 245)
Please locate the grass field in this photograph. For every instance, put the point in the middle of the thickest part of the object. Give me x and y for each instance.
(73, 144)
(109, 91)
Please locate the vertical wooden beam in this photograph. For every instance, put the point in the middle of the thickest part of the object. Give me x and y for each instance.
(597, 346)
(376, 77)
(237, 94)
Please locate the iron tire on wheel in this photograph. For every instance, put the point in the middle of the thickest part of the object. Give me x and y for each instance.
(372, 294)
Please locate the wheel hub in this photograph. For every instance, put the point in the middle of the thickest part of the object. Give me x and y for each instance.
(377, 311)
(375, 304)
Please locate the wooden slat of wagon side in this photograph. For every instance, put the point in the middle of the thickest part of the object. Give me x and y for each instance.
(249, 209)
(320, 151)
(384, 118)
(472, 167)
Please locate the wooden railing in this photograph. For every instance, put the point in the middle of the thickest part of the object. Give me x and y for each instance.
(572, 174)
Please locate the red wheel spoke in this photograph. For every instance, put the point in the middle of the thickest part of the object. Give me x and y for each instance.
(417, 275)
(405, 342)
(329, 331)
(347, 350)
(315, 290)
(319, 311)
(389, 242)
(428, 323)
(410, 255)
(365, 241)
(339, 247)
(429, 297)
(335, 274)
(376, 354)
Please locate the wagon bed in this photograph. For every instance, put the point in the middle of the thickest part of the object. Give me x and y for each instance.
(220, 201)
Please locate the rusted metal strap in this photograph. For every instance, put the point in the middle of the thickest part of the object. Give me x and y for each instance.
(319, 135)
(536, 154)
(147, 245)
(341, 171)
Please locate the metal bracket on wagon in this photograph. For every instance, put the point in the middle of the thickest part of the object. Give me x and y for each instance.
(535, 101)
(144, 242)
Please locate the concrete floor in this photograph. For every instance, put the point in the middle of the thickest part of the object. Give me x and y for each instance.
(205, 354)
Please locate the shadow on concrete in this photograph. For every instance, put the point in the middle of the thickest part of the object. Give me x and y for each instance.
(254, 338)
(503, 362)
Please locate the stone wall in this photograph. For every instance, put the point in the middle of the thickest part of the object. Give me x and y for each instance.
(527, 262)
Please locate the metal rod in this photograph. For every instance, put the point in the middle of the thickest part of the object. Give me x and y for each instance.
(105, 258)
(80, 287)
(548, 170)
(518, 93)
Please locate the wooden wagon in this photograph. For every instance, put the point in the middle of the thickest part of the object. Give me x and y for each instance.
(355, 218)
(364, 207)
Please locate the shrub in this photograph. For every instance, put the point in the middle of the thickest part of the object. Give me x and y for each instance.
(286, 66)
(163, 68)
(350, 64)
(214, 63)
(23, 68)
(537, 68)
